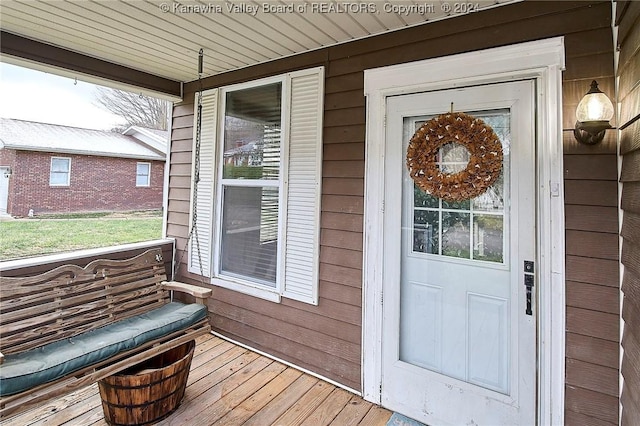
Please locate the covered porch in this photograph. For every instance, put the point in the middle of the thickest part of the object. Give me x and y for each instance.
(229, 385)
(153, 47)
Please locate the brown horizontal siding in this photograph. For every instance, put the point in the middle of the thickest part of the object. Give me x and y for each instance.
(593, 297)
(179, 196)
(586, 43)
(630, 104)
(628, 21)
(591, 239)
(597, 406)
(630, 138)
(631, 398)
(576, 419)
(341, 239)
(591, 244)
(319, 341)
(342, 222)
(343, 169)
(607, 146)
(341, 293)
(593, 377)
(343, 186)
(344, 151)
(588, 322)
(631, 254)
(341, 275)
(591, 349)
(591, 193)
(630, 227)
(630, 200)
(629, 91)
(593, 271)
(470, 32)
(343, 134)
(591, 218)
(628, 78)
(629, 172)
(287, 331)
(591, 167)
(591, 209)
(345, 99)
(630, 418)
(341, 257)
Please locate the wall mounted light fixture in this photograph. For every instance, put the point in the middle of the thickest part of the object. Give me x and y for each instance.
(593, 114)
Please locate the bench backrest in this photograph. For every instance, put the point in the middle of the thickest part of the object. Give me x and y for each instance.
(69, 300)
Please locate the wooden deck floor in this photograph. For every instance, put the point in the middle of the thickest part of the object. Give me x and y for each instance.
(229, 385)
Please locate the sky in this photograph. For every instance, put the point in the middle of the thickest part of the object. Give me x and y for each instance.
(32, 95)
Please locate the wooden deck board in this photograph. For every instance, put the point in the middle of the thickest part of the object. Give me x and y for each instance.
(329, 409)
(240, 414)
(229, 386)
(353, 412)
(280, 404)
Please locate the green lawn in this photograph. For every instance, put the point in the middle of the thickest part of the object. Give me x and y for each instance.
(22, 238)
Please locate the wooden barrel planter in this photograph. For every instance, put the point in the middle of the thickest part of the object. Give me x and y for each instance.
(148, 392)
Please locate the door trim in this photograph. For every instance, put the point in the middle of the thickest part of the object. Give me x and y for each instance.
(544, 62)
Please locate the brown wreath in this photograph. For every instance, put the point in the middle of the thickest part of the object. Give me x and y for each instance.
(485, 163)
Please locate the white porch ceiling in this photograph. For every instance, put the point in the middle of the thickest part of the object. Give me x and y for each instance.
(163, 37)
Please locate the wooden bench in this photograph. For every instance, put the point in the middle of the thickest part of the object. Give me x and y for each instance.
(68, 301)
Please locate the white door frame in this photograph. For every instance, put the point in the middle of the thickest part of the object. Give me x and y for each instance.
(542, 61)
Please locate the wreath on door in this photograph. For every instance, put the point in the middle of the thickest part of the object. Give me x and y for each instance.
(482, 170)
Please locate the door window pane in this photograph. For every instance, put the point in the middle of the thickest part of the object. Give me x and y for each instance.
(422, 199)
(488, 237)
(469, 229)
(426, 232)
(456, 205)
(455, 234)
(453, 158)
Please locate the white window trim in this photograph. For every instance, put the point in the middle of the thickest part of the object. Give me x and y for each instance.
(148, 184)
(298, 280)
(68, 182)
(540, 60)
(228, 281)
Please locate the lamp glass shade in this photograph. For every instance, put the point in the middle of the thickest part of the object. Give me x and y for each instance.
(594, 107)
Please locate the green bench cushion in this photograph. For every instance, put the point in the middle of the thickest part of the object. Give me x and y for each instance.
(47, 363)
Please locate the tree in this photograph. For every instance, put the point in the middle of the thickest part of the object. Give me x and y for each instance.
(136, 109)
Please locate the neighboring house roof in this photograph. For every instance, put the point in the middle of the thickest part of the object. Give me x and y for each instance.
(242, 149)
(156, 139)
(33, 136)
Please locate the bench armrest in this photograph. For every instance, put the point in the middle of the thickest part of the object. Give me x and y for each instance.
(199, 293)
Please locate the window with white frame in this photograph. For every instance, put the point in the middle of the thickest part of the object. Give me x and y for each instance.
(60, 171)
(250, 185)
(143, 174)
(258, 192)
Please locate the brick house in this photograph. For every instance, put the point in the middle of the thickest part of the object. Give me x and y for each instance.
(49, 168)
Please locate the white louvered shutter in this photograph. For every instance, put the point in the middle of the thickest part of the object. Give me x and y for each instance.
(204, 201)
(304, 179)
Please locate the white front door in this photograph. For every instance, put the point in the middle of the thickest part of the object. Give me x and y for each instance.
(459, 332)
